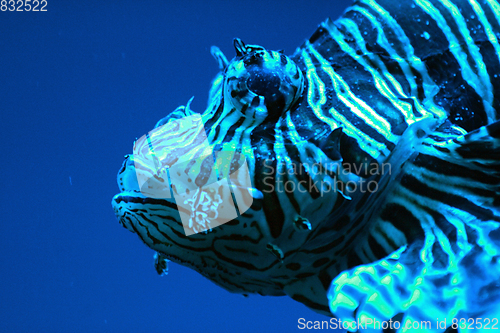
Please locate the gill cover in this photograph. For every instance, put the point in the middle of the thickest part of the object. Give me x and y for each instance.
(260, 83)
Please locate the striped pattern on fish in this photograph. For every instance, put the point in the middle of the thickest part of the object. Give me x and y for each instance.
(400, 95)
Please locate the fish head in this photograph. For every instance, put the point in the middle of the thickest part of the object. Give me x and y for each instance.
(237, 192)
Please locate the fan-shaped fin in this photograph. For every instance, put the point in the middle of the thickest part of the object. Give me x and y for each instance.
(452, 268)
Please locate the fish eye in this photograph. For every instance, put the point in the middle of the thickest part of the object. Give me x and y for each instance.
(264, 82)
(260, 83)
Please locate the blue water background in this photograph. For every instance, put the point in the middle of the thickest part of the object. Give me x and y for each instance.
(78, 84)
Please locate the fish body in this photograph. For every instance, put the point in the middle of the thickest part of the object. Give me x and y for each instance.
(373, 157)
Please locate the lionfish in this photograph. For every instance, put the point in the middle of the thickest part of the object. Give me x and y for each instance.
(392, 114)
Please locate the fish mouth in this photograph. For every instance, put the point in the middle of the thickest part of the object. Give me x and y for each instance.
(127, 202)
(136, 197)
(132, 198)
